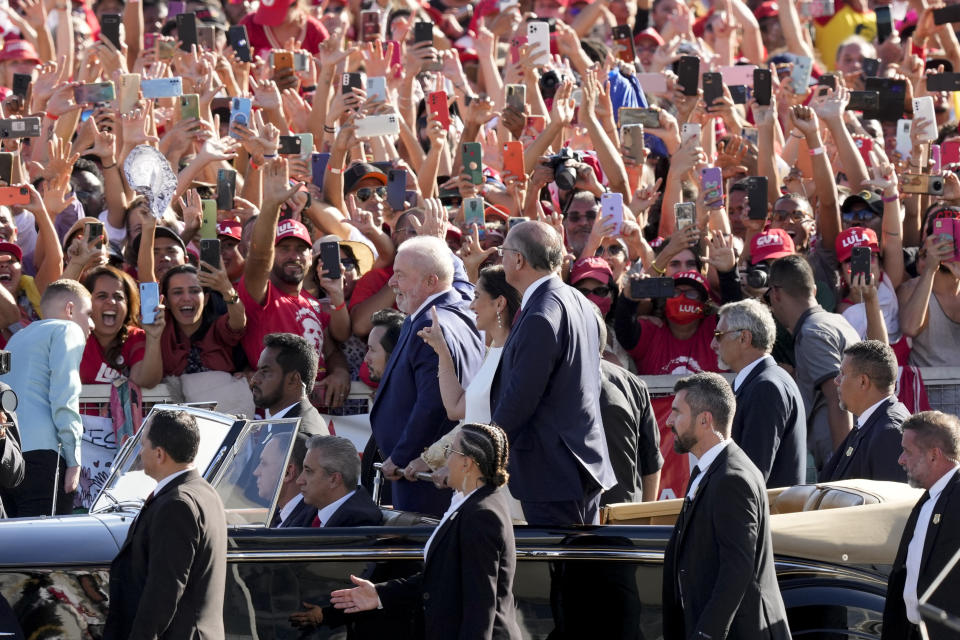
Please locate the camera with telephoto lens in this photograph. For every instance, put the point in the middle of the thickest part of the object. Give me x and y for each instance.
(564, 173)
(550, 81)
(758, 276)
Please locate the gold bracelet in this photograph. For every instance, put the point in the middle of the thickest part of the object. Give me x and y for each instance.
(653, 265)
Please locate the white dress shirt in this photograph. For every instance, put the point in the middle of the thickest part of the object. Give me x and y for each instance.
(279, 414)
(704, 464)
(915, 550)
(289, 507)
(327, 512)
(455, 502)
(746, 371)
(162, 483)
(533, 288)
(863, 417)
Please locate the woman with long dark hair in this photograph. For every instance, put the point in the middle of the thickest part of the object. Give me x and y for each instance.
(466, 586)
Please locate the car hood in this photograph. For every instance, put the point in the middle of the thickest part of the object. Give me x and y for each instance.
(74, 540)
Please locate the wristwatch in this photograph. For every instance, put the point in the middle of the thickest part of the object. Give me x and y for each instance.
(233, 299)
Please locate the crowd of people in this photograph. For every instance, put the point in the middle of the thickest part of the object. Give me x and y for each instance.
(492, 213)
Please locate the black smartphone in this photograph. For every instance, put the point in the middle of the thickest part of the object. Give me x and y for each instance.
(290, 145)
(237, 37)
(330, 257)
(423, 32)
(828, 80)
(110, 28)
(762, 86)
(21, 85)
(943, 82)
(187, 30)
(688, 74)
(739, 93)
(652, 288)
(884, 23)
(757, 197)
(226, 188)
(860, 262)
(6, 167)
(396, 189)
(871, 67)
(351, 80)
(892, 93)
(946, 14)
(210, 251)
(866, 101)
(712, 88)
(318, 167)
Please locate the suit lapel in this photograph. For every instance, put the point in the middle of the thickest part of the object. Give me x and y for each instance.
(183, 477)
(848, 450)
(933, 528)
(753, 375)
(446, 526)
(718, 462)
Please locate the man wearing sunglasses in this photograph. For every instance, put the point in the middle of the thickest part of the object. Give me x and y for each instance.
(368, 184)
(581, 212)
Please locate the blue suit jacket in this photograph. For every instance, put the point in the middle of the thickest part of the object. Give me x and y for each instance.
(872, 451)
(546, 396)
(408, 414)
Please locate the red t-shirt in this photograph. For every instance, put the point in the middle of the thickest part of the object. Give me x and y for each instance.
(94, 368)
(261, 42)
(281, 313)
(658, 352)
(369, 284)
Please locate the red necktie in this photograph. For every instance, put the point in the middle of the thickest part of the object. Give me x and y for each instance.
(316, 521)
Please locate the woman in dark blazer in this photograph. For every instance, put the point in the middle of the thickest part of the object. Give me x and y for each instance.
(466, 586)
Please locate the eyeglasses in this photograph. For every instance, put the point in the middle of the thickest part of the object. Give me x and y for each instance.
(448, 449)
(603, 292)
(502, 248)
(796, 216)
(576, 216)
(365, 193)
(613, 250)
(719, 334)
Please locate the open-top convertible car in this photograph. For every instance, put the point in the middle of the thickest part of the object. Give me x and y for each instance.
(577, 582)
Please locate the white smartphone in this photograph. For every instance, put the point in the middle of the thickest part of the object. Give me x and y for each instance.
(128, 92)
(904, 145)
(653, 83)
(738, 74)
(161, 88)
(800, 76)
(923, 108)
(538, 35)
(689, 130)
(382, 125)
(611, 206)
(377, 88)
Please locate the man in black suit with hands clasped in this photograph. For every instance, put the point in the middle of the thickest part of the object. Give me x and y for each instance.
(719, 579)
(865, 386)
(168, 579)
(770, 424)
(931, 458)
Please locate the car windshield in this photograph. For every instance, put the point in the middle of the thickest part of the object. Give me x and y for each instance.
(249, 479)
(128, 484)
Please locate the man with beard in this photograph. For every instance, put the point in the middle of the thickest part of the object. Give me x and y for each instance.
(272, 288)
(719, 579)
(286, 369)
(383, 338)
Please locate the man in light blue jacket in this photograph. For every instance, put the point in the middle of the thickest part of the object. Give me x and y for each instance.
(45, 373)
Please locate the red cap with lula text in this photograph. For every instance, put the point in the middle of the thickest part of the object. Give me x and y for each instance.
(291, 228)
(693, 277)
(771, 244)
(230, 228)
(855, 237)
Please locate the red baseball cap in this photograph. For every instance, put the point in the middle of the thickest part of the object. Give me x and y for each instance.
(18, 50)
(271, 13)
(855, 237)
(229, 228)
(9, 247)
(651, 34)
(293, 229)
(772, 243)
(695, 278)
(767, 9)
(592, 267)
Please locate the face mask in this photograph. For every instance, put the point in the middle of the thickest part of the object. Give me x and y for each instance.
(683, 310)
(604, 302)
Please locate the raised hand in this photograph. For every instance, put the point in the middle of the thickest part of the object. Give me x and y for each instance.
(433, 335)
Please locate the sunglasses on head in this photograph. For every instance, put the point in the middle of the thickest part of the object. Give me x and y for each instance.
(365, 193)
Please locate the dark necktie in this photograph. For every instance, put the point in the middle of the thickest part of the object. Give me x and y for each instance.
(276, 520)
(682, 518)
(693, 476)
(316, 521)
(516, 318)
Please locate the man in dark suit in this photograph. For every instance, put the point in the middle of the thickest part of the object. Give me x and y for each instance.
(284, 375)
(11, 458)
(770, 424)
(168, 579)
(407, 414)
(719, 579)
(866, 384)
(329, 484)
(931, 451)
(546, 393)
(291, 509)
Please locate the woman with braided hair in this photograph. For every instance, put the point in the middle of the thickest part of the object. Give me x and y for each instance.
(466, 586)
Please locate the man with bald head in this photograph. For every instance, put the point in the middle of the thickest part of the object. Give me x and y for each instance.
(408, 414)
(546, 393)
